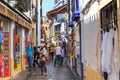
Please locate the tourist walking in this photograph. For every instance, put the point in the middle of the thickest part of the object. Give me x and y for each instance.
(52, 52)
(43, 60)
(36, 57)
(58, 51)
(29, 50)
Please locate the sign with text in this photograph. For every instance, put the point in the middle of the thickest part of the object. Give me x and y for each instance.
(6, 51)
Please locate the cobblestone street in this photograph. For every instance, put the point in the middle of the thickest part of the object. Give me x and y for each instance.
(54, 73)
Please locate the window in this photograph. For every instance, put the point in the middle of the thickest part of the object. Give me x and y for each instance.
(109, 15)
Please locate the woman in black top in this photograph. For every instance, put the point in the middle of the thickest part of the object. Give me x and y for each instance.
(36, 57)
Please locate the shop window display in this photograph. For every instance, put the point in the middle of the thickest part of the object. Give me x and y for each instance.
(4, 47)
(17, 49)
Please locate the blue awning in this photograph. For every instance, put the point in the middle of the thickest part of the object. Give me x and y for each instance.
(70, 23)
(76, 15)
(1, 36)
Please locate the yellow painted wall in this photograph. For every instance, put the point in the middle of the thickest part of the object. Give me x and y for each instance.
(118, 7)
(12, 67)
(91, 74)
(34, 33)
(24, 62)
(13, 71)
(103, 3)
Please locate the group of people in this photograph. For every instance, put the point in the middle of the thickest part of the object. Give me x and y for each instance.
(42, 55)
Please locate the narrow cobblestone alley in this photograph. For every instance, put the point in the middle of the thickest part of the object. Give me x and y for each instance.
(54, 73)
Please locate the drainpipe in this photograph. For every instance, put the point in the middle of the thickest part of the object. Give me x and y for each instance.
(81, 64)
(80, 42)
(36, 22)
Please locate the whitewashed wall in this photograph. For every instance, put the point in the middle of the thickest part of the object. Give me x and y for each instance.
(89, 36)
(12, 26)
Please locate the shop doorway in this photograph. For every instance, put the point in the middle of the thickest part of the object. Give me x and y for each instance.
(17, 48)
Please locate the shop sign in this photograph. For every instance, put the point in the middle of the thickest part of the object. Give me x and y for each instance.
(6, 54)
(1, 65)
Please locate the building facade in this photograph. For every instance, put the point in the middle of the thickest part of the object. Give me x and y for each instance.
(16, 29)
(98, 18)
(89, 28)
(59, 17)
(108, 21)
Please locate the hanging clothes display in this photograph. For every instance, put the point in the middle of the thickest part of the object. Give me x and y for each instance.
(109, 51)
(104, 51)
(114, 75)
(98, 51)
(116, 52)
(109, 23)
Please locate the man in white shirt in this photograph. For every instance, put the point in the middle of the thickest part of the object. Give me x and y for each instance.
(58, 51)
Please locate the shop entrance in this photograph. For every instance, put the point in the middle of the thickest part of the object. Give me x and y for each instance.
(17, 48)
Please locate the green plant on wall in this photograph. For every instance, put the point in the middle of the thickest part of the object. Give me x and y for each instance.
(57, 33)
(1, 51)
(63, 20)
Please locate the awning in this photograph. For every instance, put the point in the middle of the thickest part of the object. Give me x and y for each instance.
(70, 23)
(76, 15)
(60, 10)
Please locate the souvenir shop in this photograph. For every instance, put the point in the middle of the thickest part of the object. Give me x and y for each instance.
(17, 47)
(109, 42)
(4, 47)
